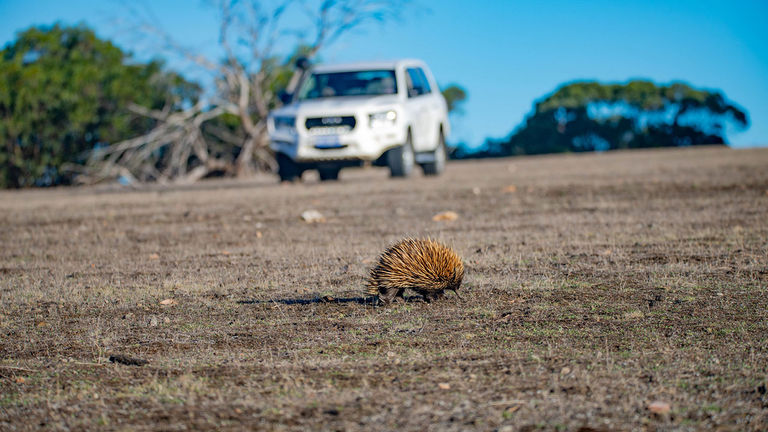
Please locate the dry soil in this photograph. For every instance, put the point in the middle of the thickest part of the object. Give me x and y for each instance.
(596, 285)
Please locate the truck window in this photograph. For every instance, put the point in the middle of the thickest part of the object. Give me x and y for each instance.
(353, 83)
(417, 82)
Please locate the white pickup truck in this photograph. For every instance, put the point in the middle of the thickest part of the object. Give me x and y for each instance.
(387, 113)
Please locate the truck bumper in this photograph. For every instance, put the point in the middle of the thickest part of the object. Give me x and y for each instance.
(364, 145)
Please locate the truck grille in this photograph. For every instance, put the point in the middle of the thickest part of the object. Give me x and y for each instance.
(338, 123)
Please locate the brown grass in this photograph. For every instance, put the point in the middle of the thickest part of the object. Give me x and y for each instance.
(595, 286)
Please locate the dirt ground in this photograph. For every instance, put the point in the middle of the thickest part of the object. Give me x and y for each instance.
(596, 285)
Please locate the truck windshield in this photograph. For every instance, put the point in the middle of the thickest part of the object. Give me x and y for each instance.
(354, 83)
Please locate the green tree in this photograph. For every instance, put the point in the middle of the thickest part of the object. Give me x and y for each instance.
(455, 96)
(64, 91)
(588, 116)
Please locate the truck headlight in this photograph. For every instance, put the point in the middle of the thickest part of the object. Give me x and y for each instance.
(384, 118)
(284, 124)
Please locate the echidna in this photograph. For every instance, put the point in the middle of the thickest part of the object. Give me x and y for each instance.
(423, 265)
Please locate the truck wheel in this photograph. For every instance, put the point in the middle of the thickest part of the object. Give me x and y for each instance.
(438, 166)
(401, 159)
(287, 169)
(329, 173)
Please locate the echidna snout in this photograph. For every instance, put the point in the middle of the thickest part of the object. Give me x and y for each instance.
(455, 287)
(422, 265)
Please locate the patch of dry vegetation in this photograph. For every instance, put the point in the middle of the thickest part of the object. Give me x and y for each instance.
(596, 286)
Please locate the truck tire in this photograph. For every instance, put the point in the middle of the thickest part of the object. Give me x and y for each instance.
(287, 169)
(329, 173)
(438, 166)
(400, 160)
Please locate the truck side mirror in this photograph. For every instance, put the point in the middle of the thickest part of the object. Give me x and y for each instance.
(302, 63)
(285, 97)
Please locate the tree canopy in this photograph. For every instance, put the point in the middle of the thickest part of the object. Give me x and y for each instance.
(588, 116)
(455, 96)
(64, 91)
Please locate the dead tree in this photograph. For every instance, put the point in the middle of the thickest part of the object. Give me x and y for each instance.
(178, 149)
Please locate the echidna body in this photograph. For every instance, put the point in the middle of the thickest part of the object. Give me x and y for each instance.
(422, 265)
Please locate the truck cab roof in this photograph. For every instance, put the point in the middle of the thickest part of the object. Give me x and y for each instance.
(370, 65)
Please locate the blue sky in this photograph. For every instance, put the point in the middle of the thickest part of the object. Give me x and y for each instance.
(506, 54)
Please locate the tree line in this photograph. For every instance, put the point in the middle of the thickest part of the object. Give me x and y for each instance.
(592, 116)
(64, 93)
(77, 108)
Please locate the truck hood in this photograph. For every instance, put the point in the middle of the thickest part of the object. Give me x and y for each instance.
(337, 105)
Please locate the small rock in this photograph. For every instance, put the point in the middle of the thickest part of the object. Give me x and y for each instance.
(129, 315)
(565, 371)
(167, 320)
(312, 216)
(153, 322)
(476, 190)
(512, 410)
(659, 407)
(445, 216)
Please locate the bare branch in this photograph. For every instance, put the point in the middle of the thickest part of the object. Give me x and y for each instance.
(226, 22)
(225, 135)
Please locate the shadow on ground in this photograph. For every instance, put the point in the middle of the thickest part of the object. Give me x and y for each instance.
(373, 301)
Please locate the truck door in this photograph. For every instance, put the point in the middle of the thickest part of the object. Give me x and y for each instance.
(419, 101)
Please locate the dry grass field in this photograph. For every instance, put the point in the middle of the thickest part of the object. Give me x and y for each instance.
(596, 285)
